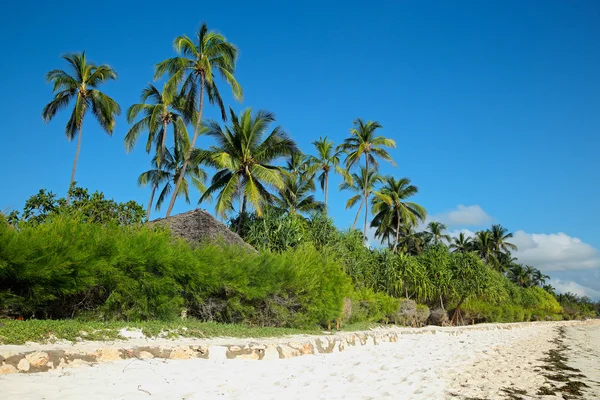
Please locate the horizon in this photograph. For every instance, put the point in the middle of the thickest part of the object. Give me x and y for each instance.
(492, 107)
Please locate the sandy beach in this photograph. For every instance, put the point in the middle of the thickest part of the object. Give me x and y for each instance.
(481, 364)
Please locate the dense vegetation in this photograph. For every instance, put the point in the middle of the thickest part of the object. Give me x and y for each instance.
(92, 258)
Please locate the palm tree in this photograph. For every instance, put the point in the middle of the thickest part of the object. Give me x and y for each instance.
(167, 172)
(391, 208)
(327, 158)
(81, 85)
(295, 196)
(538, 278)
(436, 230)
(244, 155)
(520, 275)
(364, 142)
(500, 235)
(462, 243)
(357, 184)
(410, 242)
(483, 245)
(164, 109)
(195, 68)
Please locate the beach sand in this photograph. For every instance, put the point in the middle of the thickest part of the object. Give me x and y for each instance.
(475, 364)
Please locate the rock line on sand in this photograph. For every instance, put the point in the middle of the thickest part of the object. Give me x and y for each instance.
(23, 359)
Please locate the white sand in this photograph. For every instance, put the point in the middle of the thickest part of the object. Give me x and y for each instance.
(474, 364)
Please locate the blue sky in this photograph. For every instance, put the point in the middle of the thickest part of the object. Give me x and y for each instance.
(495, 106)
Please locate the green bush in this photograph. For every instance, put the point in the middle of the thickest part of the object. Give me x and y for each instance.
(67, 268)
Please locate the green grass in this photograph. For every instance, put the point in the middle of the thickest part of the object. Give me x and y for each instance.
(48, 331)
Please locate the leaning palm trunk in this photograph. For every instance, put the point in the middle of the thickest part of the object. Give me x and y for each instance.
(74, 167)
(189, 152)
(358, 213)
(150, 202)
(366, 195)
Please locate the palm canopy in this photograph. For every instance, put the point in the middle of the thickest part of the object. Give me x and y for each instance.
(362, 141)
(159, 110)
(167, 172)
(296, 195)
(326, 160)
(195, 68)
(357, 184)
(244, 155)
(436, 231)
(80, 85)
(500, 235)
(391, 208)
(462, 243)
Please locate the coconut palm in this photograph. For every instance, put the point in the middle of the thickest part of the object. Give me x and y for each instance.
(391, 208)
(159, 110)
(462, 243)
(81, 85)
(520, 275)
(295, 196)
(500, 235)
(482, 243)
(243, 156)
(167, 172)
(538, 278)
(195, 69)
(410, 242)
(357, 184)
(326, 160)
(436, 231)
(364, 142)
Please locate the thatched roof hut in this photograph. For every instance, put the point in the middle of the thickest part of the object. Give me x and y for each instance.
(198, 226)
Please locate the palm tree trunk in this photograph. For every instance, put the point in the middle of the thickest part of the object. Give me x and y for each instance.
(74, 167)
(189, 152)
(163, 144)
(326, 189)
(242, 212)
(366, 194)
(397, 231)
(150, 202)
(358, 213)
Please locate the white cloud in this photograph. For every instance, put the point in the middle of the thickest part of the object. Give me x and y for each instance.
(463, 215)
(573, 287)
(555, 252)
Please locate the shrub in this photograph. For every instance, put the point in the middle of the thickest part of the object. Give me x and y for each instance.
(65, 268)
(438, 316)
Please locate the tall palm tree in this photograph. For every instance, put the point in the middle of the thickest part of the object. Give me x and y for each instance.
(159, 110)
(167, 172)
(195, 68)
(391, 208)
(81, 86)
(462, 243)
(357, 184)
(364, 142)
(500, 235)
(244, 155)
(327, 158)
(436, 231)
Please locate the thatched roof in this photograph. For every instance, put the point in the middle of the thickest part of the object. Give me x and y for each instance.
(198, 226)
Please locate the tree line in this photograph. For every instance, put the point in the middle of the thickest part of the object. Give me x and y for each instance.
(259, 167)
